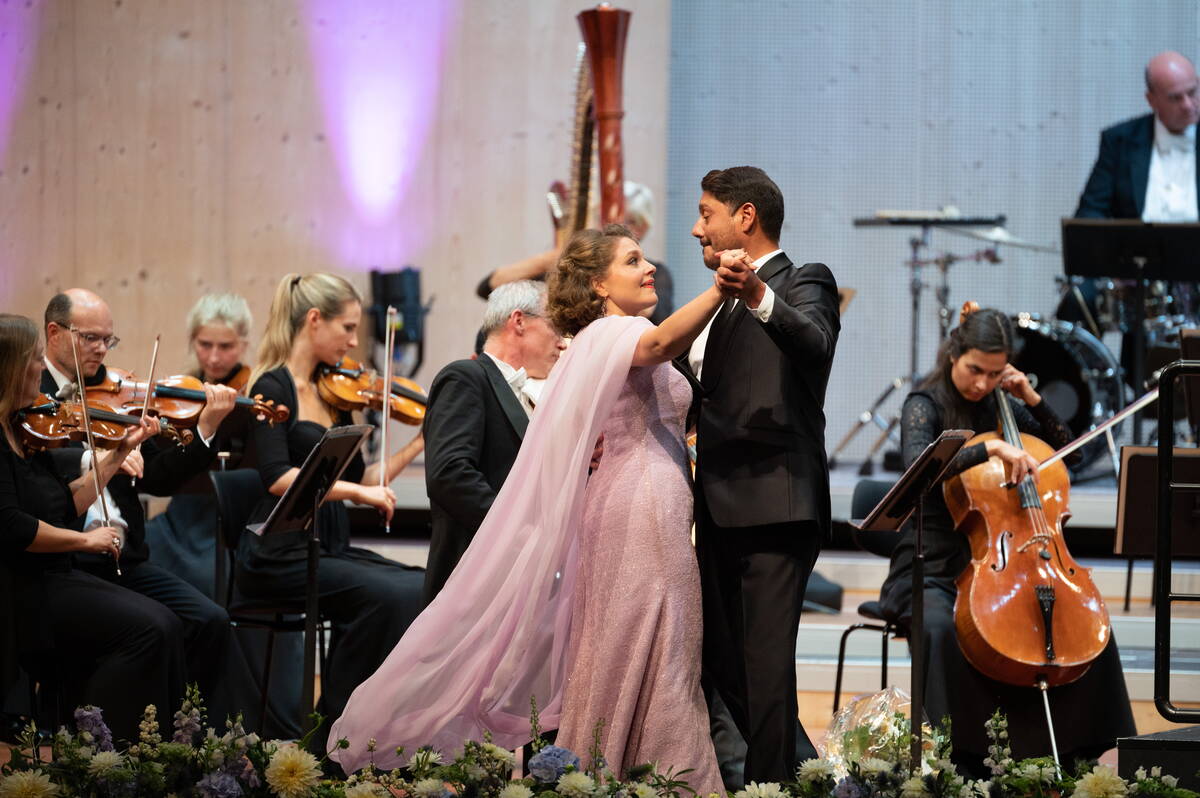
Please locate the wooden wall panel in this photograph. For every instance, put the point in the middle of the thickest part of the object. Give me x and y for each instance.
(164, 148)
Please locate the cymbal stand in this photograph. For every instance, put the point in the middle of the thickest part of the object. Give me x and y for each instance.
(915, 286)
(870, 416)
(889, 434)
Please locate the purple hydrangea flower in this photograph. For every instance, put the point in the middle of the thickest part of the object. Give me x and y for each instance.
(219, 785)
(551, 762)
(91, 720)
(849, 788)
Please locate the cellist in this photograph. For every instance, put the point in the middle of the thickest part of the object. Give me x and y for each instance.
(1089, 713)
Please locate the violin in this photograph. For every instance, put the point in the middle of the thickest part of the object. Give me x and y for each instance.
(179, 399)
(1027, 613)
(239, 379)
(49, 424)
(348, 386)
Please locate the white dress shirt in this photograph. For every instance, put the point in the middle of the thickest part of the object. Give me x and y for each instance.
(95, 513)
(762, 313)
(1171, 186)
(520, 383)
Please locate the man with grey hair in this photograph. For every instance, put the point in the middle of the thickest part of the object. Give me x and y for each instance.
(475, 419)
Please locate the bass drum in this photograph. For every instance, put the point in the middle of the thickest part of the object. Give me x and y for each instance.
(1076, 374)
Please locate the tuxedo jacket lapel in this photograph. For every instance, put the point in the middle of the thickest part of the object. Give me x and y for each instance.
(504, 395)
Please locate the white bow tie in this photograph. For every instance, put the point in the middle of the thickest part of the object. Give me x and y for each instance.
(1175, 143)
(517, 380)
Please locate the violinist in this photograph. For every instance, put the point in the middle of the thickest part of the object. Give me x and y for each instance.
(183, 538)
(1090, 713)
(314, 320)
(218, 335)
(160, 472)
(112, 647)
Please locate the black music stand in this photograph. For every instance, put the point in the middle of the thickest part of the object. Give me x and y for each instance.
(297, 511)
(1137, 529)
(1137, 250)
(904, 499)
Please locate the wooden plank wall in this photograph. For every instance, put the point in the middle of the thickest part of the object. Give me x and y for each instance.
(160, 149)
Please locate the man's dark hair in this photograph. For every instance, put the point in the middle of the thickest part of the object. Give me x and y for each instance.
(741, 184)
(58, 310)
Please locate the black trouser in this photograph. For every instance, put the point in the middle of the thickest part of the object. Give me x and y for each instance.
(207, 636)
(753, 580)
(117, 650)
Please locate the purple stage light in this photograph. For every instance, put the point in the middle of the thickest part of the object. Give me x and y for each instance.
(18, 42)
(378, 65)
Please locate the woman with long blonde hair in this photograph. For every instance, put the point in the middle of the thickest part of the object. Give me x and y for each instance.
(314, 320)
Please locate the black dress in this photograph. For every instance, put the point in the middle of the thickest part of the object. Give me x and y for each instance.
(1089, 714)
(370, 599)
(111, 647)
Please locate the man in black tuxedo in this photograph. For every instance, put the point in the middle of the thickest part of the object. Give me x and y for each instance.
(1147, 166)
(207, 636)
(475, 419)
(762, 480)
(1146, 170)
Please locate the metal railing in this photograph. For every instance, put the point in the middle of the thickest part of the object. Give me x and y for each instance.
(1164, 597)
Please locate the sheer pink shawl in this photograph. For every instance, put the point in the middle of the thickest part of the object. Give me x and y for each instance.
(497, 634)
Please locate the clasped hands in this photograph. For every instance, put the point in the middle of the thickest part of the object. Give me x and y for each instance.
(736, 278)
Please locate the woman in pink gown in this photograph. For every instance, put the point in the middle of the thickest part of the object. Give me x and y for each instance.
(580, 593)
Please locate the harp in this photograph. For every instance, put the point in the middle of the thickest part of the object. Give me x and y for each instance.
(597, 125)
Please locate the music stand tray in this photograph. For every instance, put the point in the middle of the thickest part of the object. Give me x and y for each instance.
(926, 471)
(1137, 525)
(1114, 247)
(904, 499)
(295, 511)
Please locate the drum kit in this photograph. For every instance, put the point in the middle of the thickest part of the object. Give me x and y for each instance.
(1066, 357)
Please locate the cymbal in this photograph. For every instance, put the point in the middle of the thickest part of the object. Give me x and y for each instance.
(999, 235)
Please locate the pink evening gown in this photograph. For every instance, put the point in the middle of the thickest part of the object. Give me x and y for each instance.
(581, 593)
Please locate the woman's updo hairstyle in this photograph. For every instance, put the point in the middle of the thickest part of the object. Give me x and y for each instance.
(572, 302)
(295, 295)
(986, 330)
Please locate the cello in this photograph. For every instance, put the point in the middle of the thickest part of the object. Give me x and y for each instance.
(1026, 613)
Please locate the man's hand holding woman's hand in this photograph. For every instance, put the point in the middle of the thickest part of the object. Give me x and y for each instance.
(736, 277)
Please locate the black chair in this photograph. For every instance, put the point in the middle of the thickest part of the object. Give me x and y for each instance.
(867, 494)
(238, 493)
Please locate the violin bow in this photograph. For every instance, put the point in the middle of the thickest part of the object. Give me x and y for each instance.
(91, 441)
(389, 348)
(149, 387)
(1138, 404)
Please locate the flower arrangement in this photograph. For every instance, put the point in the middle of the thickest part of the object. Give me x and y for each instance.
(889, 776)
(198, 762)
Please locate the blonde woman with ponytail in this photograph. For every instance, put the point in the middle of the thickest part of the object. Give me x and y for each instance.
(314, 320)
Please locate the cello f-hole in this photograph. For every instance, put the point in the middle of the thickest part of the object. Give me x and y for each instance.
(1002, 552)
